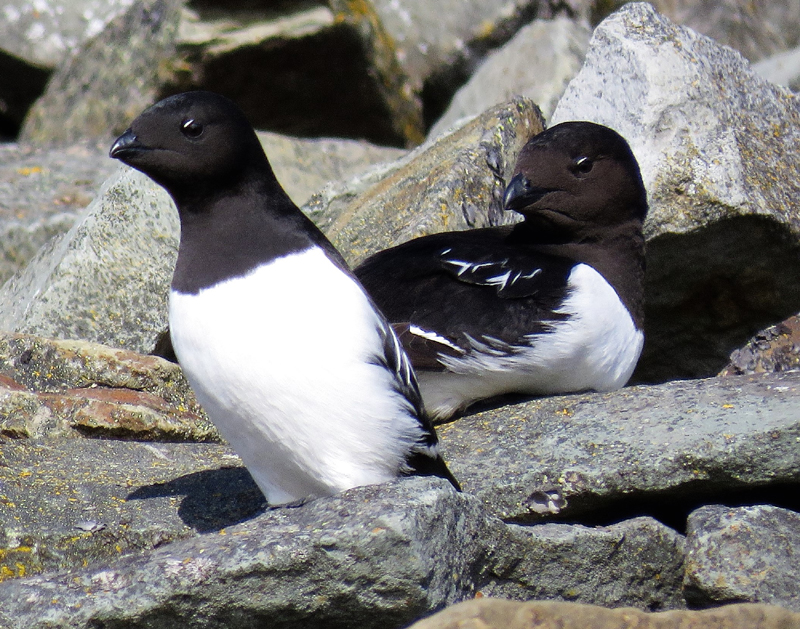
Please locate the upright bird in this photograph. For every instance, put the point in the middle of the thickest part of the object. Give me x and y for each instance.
(281, 345)
(553, 304)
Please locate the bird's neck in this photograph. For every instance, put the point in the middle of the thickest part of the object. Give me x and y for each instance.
(617, 253)
(230, 233)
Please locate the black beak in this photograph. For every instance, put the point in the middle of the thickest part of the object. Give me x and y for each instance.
(519, 193)
(126, 145)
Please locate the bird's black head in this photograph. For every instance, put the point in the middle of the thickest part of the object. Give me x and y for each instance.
(191, 142)
(577, 176)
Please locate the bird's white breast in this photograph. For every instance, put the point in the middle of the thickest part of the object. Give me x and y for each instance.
(596, 348)
(283, 361)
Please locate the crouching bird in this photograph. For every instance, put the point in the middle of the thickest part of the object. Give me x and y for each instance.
(283, 348)
(553, 304)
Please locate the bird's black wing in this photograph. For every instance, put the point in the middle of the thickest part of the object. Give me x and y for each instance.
(424, 458)
(444, 291)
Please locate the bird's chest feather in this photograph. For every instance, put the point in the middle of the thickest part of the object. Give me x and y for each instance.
(290, 336)
(595, 346)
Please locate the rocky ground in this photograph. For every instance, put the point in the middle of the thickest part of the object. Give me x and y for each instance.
(119, 504)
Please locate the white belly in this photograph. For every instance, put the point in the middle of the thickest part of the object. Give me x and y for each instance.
(282, 362)
(596, 351)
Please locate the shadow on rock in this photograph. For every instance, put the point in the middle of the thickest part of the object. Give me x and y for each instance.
(213, 499)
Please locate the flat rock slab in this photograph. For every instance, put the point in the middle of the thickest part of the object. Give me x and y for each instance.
(373, 557)
(501, 614)
(69, 503)
(743, 554)
(681, 442)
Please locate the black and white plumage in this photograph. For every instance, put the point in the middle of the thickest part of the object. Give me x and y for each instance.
(553, 304)
(280, 343)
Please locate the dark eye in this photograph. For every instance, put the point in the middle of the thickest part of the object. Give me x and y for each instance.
(582, 165)
(191, 128)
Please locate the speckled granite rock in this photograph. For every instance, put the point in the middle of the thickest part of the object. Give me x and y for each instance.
(743, 554)
(35, 38)
(69, 503)
(108, 79)
(782, 69)
(372, 557)
(43, 190)
(662, 450)
(488, 613)
(756, 29)
(776, 348)
(107, 279)
(719, 149)
(452, 182)
(434, 47)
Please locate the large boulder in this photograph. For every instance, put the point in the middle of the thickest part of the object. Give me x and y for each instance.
(109, 78)
(107, 279)
(455, 181)
(35, 38)
(719, 151)
(554, 47)
(42, 193)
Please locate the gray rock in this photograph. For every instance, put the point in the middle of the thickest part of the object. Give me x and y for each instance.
(636, 563)
(42, 193)
(756, 29)
(537, 63)
(107, 279)
(373, 557)
(70, 503)
(109, 78)
(782, 69)
(452, 182)
(657, 450)
(294, 68)
(428, 50)
(43, 190)
(488, 613)
(44, 33)
(712, 139)
(304, 166)
(776, 348)
(744, 554)
(35, 37)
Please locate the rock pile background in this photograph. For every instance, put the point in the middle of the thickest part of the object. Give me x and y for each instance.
(385, 120)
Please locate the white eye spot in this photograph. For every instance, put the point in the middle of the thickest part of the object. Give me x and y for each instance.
(191, 128)
(582, 165)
